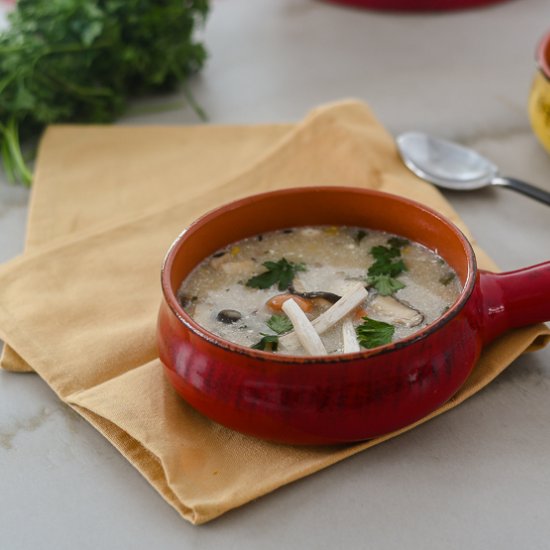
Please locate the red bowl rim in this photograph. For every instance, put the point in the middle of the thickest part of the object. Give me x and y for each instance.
(543, 55)
(212, 338)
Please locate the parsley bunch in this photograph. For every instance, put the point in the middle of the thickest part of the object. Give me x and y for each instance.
(80, 61)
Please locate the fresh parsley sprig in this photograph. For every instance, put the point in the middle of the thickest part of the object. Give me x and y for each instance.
(270, 342)
(384, 253)
(279, 324)
(281, 273)
(387, 266)
(372, 333)
(385, 284)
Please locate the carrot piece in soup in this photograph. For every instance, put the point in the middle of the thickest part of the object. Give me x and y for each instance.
(276, 302)
(359, 313)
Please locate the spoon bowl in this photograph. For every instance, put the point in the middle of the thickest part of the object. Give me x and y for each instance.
(455, 167)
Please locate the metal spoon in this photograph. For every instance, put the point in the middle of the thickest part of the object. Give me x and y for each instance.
(452, 166)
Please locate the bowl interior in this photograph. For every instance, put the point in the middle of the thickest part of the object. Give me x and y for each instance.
(314, 206)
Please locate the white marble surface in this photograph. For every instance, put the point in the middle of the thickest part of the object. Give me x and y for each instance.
(477, 477)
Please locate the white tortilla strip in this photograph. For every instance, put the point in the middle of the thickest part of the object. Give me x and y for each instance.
(351, 344)
(347, 303)
(304, 329)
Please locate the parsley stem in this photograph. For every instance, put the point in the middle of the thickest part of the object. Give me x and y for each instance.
(7, 161)
(83, 91)
(17, 168)
(200, 112)
(8, 80)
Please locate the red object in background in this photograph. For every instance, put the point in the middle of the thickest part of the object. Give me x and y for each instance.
(336, 399)
(416, 5)
(543, 55)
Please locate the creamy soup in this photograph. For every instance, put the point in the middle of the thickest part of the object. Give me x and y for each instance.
(317, 290)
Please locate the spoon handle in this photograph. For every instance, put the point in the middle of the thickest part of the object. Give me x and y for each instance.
(523, 188)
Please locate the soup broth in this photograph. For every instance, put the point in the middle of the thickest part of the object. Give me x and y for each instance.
(355, 287)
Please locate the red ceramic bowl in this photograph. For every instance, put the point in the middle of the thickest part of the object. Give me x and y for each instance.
(342, 398)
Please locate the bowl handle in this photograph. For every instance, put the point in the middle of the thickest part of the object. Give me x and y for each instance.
(514, 299)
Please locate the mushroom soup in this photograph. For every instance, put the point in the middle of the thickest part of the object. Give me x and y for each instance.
(319, 290)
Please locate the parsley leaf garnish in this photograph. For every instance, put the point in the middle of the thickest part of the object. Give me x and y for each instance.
(279, 324)
(281, 272)
(372, 334)
(385, 284)
(387, 266)
(384, 254)
(269, 342)
(392, 269)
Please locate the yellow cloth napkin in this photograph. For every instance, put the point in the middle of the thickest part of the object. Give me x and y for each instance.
(80, 306)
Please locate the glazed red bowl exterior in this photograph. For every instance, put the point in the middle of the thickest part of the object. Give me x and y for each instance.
(342, 398)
